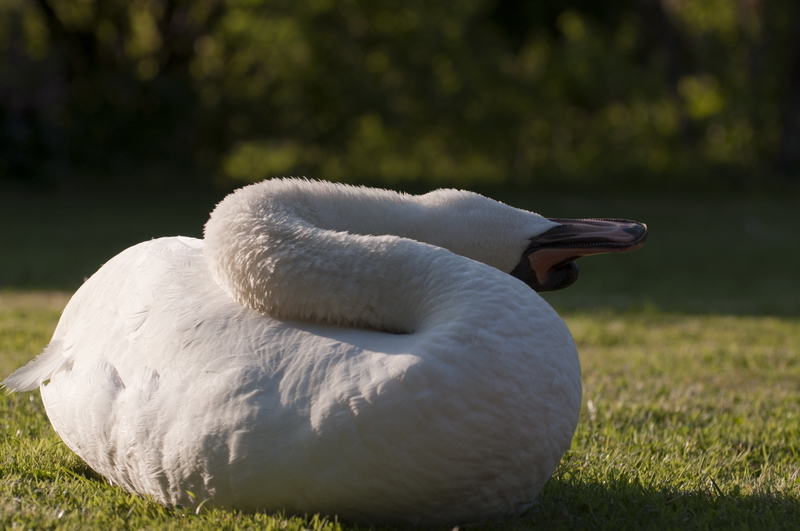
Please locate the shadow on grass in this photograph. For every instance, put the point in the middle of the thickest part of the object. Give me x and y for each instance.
(573, 503)
(80, 470)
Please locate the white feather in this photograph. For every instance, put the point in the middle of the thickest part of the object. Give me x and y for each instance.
(262, 368)
(38, 370)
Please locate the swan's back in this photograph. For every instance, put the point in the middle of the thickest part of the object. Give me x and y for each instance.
(219, 369)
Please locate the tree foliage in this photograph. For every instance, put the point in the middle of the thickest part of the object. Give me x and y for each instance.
(467, 92)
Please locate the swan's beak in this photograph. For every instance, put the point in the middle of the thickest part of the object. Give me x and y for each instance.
(548, 264)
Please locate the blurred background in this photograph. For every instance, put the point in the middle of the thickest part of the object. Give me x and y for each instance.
(698, 95)
(122, 120)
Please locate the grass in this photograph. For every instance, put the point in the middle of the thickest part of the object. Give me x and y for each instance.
(690, 351)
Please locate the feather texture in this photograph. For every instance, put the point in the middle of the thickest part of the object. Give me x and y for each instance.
(325, 348)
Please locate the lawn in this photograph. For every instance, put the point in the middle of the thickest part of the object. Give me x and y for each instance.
(690, 351)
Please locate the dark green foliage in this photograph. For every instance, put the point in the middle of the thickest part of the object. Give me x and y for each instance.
(640, 93)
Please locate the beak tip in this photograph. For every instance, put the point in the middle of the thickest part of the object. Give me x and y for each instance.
(639, 233)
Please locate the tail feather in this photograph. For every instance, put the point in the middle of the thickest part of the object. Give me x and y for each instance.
(38, 370)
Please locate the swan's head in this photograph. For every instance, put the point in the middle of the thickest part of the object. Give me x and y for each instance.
(539, 251)
(548, 263)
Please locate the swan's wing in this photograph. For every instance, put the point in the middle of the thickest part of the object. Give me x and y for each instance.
(38, 370)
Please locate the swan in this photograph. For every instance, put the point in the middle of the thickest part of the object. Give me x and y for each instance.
(329, 349)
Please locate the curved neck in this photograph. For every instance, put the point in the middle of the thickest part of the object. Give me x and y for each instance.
(356, 256)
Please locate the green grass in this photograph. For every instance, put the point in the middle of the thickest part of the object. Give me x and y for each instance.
(691, 366)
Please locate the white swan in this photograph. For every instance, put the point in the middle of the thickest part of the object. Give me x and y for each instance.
(312, 354)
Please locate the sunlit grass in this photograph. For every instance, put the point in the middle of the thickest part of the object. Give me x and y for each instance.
(688, 421)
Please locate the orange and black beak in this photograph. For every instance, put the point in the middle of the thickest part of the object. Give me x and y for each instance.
(548, 264)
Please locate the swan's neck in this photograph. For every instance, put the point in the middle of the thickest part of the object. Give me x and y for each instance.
(347, 255)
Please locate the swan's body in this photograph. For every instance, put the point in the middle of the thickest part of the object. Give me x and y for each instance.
(312, 355)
